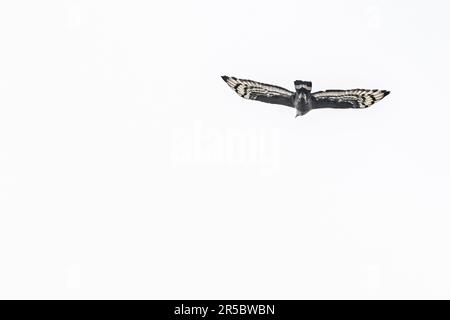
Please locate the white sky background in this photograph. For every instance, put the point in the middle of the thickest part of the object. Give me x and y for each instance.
(129, 169)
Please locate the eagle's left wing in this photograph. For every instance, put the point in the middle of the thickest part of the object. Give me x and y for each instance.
(253, 90)
(341, 99)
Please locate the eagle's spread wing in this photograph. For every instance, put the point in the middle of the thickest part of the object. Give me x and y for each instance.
(253, 90)
(356, 98)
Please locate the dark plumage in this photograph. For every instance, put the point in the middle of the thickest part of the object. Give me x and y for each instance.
(302, 99)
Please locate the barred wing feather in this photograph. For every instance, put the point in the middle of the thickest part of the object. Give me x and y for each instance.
(253, 90)
(356, 98)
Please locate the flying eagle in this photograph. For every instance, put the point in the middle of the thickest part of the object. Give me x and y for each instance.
(302, 99)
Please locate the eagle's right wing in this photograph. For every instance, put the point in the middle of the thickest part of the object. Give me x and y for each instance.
(342, 99)
(253, 90)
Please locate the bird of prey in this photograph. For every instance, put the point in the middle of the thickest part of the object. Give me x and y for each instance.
(302, 99)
